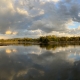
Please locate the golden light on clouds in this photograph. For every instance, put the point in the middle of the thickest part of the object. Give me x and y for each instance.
(14, 33)
(8, 51)
(54, 0)
(8, 32)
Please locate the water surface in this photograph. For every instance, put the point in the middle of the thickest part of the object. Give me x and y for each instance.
(39, 63)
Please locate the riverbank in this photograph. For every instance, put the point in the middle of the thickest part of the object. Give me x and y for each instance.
(39, 43)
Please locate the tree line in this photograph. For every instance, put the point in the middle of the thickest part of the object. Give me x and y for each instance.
(42, 39)
(54, 38)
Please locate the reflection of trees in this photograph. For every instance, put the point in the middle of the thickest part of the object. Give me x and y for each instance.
(46, 66)
(53, 46)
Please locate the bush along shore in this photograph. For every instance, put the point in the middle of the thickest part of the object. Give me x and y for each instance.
(42, 40)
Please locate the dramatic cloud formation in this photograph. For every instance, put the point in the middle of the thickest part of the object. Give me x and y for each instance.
(27, 18)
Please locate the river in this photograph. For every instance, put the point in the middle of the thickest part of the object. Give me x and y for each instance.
(35, 62)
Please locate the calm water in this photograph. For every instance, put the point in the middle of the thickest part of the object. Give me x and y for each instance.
(39, 63)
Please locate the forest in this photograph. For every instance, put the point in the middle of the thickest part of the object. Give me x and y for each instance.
(42, 40)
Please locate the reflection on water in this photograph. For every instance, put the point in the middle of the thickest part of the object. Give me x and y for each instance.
(10, 51)
(39, 62)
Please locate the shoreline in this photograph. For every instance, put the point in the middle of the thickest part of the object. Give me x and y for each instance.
(38, 43)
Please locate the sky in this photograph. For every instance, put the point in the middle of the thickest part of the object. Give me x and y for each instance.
(35, 18)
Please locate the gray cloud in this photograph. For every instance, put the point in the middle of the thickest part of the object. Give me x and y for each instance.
(45, 16)
(56, 17)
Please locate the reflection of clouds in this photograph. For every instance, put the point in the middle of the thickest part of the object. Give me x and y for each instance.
(22, 73)
(38, 51)
(21, 49)
(59, 49)
(14, 50)
(34, 63)
(68, 51)
(32, 50)
(8, 51)
(75, 53)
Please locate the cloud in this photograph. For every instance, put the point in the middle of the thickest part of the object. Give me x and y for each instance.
(21, 11)
(43, 15)
(55, 0)
(8, 32)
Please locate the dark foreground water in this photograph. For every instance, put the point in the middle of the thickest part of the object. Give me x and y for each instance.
(39, 63)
